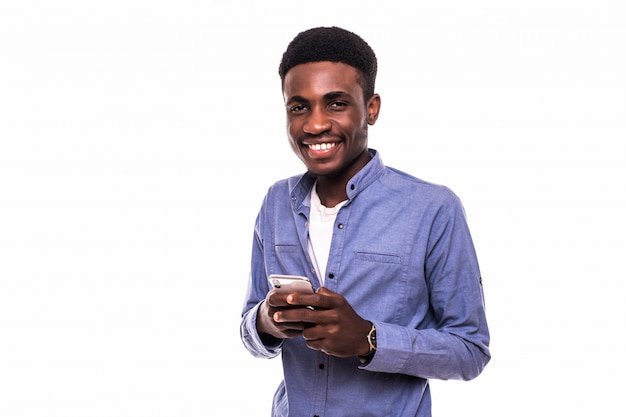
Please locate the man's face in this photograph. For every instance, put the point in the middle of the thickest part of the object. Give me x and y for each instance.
(327, 117)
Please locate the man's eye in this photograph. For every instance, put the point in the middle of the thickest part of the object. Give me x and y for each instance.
(337, 105)
(297, 109)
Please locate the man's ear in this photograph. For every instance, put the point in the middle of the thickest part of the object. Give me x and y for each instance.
(373, 109)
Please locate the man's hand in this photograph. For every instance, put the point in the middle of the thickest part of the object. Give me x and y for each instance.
(331, 326)
(274, 304)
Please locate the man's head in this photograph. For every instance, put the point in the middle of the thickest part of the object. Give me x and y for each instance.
(332, 44)
(328, 86)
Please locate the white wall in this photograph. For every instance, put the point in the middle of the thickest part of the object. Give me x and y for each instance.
(137, 139)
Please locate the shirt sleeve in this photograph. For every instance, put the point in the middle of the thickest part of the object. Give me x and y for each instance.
(256, 292)
(456, 344)
(251, 339)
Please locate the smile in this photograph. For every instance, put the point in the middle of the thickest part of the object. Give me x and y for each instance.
(321, 146)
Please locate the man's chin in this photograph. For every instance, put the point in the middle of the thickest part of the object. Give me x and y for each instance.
(323, 172)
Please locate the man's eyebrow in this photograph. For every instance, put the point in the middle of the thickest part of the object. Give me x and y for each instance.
(297, 99)
(335, 94)
(332, 95)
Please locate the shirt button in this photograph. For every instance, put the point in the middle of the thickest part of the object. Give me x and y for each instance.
(331, 275)
(340, 225)
(352, 186)
(321, 366)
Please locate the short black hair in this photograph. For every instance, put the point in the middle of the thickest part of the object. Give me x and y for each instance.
(332, 44)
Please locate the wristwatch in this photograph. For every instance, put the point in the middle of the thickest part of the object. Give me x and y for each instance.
(371, 339)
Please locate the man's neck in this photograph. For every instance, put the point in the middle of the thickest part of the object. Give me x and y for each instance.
(332, 189)
(331, 193)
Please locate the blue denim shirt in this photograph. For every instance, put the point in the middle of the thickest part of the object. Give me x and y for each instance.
(402, 255)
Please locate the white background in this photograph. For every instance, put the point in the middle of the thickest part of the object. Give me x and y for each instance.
(137, 139)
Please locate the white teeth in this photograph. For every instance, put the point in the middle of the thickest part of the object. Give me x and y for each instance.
(321, 146)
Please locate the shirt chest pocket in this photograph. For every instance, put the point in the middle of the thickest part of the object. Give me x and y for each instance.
(289, 259)
(382, 258)
(376, 284)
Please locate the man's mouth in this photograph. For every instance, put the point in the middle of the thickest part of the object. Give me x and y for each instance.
(321, 146)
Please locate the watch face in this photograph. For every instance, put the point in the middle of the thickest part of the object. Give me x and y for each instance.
(371, 338)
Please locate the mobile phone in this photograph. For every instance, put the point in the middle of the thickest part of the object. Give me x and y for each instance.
(291, 283)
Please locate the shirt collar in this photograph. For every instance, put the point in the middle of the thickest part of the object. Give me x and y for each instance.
(300, 186)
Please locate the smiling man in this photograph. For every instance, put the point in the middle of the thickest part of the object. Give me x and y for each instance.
(327, 120)
(399, 297)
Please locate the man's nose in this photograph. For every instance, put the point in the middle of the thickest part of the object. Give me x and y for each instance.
(317, 122)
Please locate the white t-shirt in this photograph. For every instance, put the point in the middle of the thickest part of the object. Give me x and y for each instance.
(321, 222)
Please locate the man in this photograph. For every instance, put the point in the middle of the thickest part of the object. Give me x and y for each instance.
(399, 295)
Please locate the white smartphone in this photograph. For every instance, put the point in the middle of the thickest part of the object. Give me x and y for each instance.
(291, 283)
